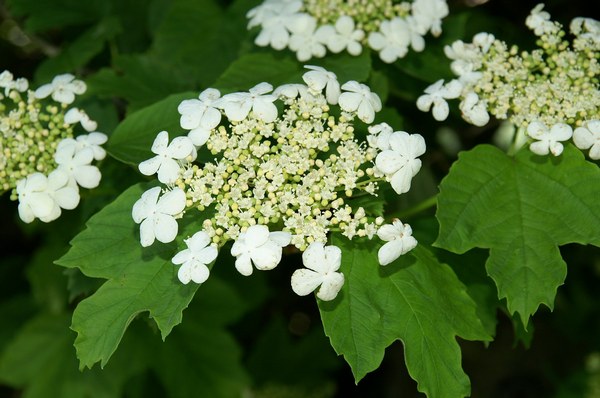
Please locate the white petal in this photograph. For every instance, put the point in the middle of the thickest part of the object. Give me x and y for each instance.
(150, 166)
(390, 252)
(25, 213)
(264, 110)
(536, 129)
(211, 118)
(44, 91)
(389, 161)
(440, 109)
(366, 113)
(208, 255)
(67, 198)
(160, 143)
(180, 148)
(63, 96)
(200, 273)
(199, 136)
(314, 257)
(539, 148)
(267, 256)
(350, 101)
(330, 287)
(333, 258)
(424, 102)
(305, 281)
(168, 172)
(561, 132)
(184, 274)
(401, 180)
(165, 228)
(87, 176)
(172, 202)
(377, 41)
(243, 265)
(332, 92)
(583, 138)
(316, 80)
(388, 232)
(181, 257)
(198, 241)
(147, 232)
(281, 238)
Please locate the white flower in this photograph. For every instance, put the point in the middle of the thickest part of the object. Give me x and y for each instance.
(586, 28)
(474, 110)
(157, 215)
(322, 263)
(320, 78)
(64, 195)
(538, 20)
(77, 164)
(392, 40)
(291, 91)
(165, 161)
(308, 41)
(93, 142)
(484, 41)
(275, 23)
(399, 241)
(344, 36)
(379, 136)
(260, 247)
(588, 137)
(238, 105)
(463, 56)
(7, 82)
(63, 89)
(195, 258)
(437, 94)
(548, 140)
(75, 115)
(429, 14)
(34, 200)
(400, 163)
(200, 115)
(359, 98)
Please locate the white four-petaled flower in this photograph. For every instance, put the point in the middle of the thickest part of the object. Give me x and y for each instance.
(379, 136)
(436, 95)
(474, 110)
(63, 89)
(322, 263)
(548, 140)
(157, 215)
(359, 98)
(75, 115)
(400, 163)
(399, 241)
(76, 163)
(260, 247)
(392, 40)
(344, 36)
(165, 161)
(238, 105)
(195, 258)
(588, 137)
(319, 78)
(200, 115)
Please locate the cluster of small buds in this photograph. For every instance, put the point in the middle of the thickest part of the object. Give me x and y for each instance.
(311, 27)
(550, 93)
(286, 158)
(41, 161)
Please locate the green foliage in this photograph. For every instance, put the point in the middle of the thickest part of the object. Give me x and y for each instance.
(522, 209)
(416, 300)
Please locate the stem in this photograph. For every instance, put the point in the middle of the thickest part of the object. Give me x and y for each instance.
(419, 207)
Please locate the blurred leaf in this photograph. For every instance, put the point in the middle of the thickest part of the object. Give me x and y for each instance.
(522, 209)
(416, 300)
(14, 311)
(44, 15)
(46, 279)
(345, 66)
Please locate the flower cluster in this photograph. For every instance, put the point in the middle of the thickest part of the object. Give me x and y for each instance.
(311, 27)
(41, 161)
(551, 93)
(286, 159)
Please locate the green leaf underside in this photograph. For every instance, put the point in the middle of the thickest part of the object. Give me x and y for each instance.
(139, 279)
(522, 209)
(416, 300)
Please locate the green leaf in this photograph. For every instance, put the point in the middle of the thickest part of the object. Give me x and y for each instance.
(416, 300)
(43, 15)
(522, 209)
(345, 66)
(139, 280)
(133, 138)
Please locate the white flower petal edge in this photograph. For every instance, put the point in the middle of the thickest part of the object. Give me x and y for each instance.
(399, 241)
(195, 258)
(322, 263)
(157, 216)
(260, 247)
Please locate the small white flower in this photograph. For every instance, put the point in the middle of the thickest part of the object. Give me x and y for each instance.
(474, 110)
(200, 115)
(436, 95)
(392, 40)
(359, 98)
(538, 20)
(64, 195)
(93, 141)
(291, 91)
(157, 215)
(484, 41)
(429, 14)
(195, 258)
(307, 40)
(400, 163)
(7, 82)
(165, 161)
(322, 263)
(379, 136)
(588, 137)
(548, 140)
(63, 89)
(34, 200)
(238, 105)
(345, 36)
(260, 247)
(320, 78)
(75, 115)
(399, 241)
(275, 23)
(77, 164)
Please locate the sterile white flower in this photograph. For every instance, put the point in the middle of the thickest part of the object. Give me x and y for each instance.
(379, 136)
(345, 37)
(63, 195)
(484, 41)
(307, 40)
(399, 241)
(260, 247)
(34, 200)
(7, 82)
(437, 94)
(200, 115)
(291, 91)
(77, 164)
(63, 89)
(392, 40)
(275, 23)
(195, 258)
(238, 105)
(588, 137)
(320, 78)
(157, 215)
(474, 110)
(429, 14)
(400, 163)
(359, 98)
(93, 142)
(538, 20)
(322, 263)
(165, 161)
(548, 140)
(75, 115)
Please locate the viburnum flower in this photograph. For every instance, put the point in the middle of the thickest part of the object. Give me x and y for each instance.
(63, 89)
(238, 105)
(319, 78)
(588, 137)
(34, 200)
(359, 98)
(399, 241)
(7, 82)
(392, 40)
(291, 90)
(539, 21)
(260, 247)
(344, 36)
(379, 136)
(63, 195)
(429, 15)
(200, 115)
(548, 140)
(93, 141)
(436, 95)
(77, 165)
(307, 40)
(474, 110)
(75, 115)
(195, 258)
(400, 163)
(322, 263)
(275, 20)
(165, 161)
(157, 215)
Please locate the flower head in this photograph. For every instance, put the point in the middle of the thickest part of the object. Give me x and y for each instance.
(260, 247)
(157, 215)
(399, 241)
(63, 89)
(195, 258)
(359, 98)
(322, 263)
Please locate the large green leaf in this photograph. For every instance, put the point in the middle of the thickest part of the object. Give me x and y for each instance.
(522, 209)
(139, 280)
(416, 300)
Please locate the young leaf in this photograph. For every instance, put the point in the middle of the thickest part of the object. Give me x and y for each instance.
(416, 300)
(521, 209)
